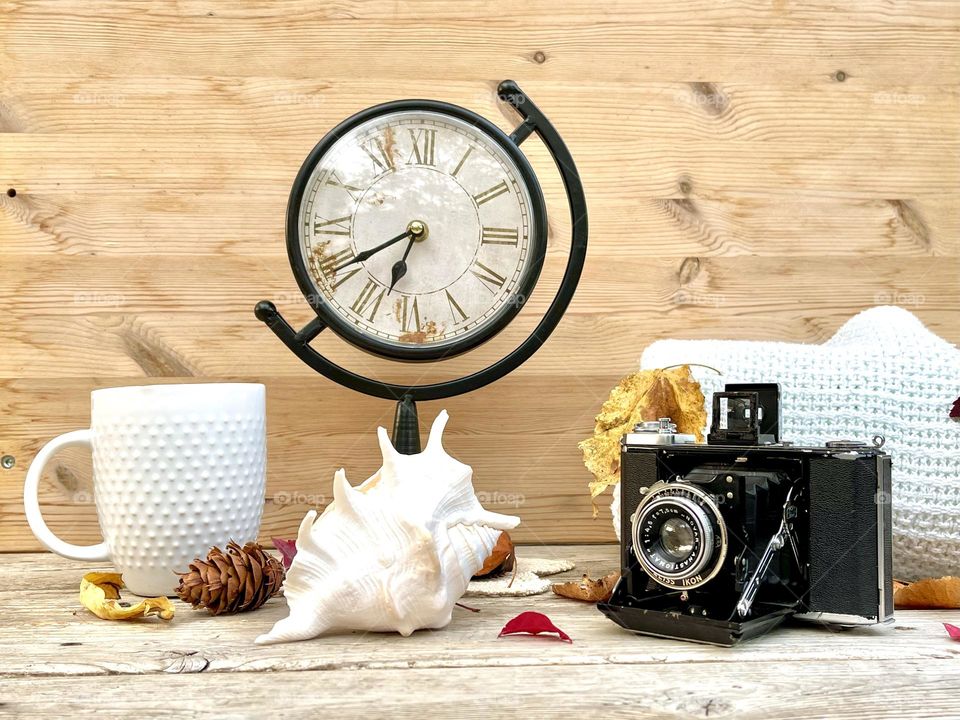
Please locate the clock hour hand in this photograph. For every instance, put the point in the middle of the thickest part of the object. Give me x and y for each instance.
(399, 268)
(367, 254)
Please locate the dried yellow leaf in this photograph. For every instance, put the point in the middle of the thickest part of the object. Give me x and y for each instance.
(642, 396)
(100, 594)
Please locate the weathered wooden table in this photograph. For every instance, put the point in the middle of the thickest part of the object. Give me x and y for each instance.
(58, 660)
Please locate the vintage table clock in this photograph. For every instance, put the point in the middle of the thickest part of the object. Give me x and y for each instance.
(417, 230)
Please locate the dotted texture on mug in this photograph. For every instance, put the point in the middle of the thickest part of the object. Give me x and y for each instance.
(169, 488)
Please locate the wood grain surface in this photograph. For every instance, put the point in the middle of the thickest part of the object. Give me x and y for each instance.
(58, 660)
(754, 170)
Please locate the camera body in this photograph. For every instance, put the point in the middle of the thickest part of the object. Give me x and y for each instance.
(723, 541)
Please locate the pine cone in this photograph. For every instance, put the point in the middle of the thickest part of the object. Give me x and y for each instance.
(235, 581)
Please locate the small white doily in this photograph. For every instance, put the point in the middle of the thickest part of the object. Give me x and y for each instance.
(529, 579)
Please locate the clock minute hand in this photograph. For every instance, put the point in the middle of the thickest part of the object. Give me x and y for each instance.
(399, 268)
(367, 254)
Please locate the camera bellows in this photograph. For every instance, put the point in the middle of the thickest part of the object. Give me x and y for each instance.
(240, 579)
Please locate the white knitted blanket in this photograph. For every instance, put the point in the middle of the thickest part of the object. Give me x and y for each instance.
(883, 373)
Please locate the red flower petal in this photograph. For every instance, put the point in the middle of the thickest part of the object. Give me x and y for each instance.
(533, 623)
(955, 410)
(952, 630)
(287, 548)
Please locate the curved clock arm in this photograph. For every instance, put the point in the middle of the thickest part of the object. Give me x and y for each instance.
(536, 121)
(299, 344)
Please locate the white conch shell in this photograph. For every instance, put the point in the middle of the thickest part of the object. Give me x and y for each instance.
(395, 553)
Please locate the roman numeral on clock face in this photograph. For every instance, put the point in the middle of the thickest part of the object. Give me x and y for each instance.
(463, 159)
(499, 236)
(382, 160)
(410, 315)
(340, 278)
(337, 226)
(491, 279)
(487, 195)
(331, 261)
(424, 142)
(334, 181)
(458, 314)
(368, 299)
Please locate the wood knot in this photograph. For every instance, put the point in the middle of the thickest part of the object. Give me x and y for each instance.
(709, 97)
(839, 76)
(684, 207)
(539, 57)
(187, 662)
(152, 355)
(689, 269)
(909, 218)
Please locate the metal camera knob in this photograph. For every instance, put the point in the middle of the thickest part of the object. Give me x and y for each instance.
(657, 432)
(663, 425)
(844, 444)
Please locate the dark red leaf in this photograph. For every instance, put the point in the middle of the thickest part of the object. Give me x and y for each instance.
(533, 623)
(287, 549)
(953, 631)
(955, 410)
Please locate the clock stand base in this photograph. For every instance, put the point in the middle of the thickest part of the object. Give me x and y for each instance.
(406, 427)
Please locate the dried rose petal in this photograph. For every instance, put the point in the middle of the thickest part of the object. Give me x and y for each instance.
(287, 550)
(952, 630)
(533, 623)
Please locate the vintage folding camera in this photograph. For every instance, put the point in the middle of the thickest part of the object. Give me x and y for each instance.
(723, 541)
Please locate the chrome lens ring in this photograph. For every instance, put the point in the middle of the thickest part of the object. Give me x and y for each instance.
(689, 508)
(656, 519)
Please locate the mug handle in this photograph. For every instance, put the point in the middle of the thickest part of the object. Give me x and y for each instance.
(31, 500)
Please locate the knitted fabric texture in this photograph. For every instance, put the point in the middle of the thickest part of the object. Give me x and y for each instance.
(883, 373)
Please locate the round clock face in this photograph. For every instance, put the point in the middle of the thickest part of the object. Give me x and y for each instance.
(463, 211)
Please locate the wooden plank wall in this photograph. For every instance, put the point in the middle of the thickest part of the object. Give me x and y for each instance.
(757, 170)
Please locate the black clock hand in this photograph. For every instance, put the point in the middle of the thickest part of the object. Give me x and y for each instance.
(399, 268)
(367, 254)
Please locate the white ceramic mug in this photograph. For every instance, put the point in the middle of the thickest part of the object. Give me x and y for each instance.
(176, 470)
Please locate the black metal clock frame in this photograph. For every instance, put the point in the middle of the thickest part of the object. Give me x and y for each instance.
(406, 433)
(411, 352)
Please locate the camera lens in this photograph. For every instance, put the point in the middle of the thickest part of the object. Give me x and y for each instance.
(679, 537)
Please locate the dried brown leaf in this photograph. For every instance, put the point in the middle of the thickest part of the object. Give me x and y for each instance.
(501, 560)
(587, 589)
(931, 593)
